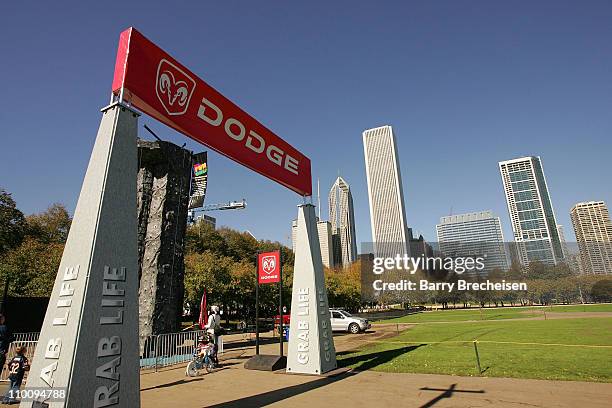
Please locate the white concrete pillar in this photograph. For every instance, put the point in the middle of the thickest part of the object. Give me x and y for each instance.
(89, 340)
(311, 345)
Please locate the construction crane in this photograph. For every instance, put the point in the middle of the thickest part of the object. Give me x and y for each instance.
(232, 205)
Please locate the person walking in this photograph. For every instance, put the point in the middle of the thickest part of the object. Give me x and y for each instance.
(213, 328)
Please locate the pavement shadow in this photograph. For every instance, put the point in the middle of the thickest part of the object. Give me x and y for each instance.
(372, 360)
(446, 393)
(247, 343)
(227, 364)
(240, 357)
(172, 384)
(272, 397)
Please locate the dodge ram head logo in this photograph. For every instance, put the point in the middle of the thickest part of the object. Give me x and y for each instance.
(173, 87)
(268, 264)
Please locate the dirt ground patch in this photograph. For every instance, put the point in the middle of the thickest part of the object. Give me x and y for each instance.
(349, 342)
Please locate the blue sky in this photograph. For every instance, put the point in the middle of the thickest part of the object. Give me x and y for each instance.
(464, 84)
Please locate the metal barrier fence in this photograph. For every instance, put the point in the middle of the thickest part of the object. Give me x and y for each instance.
(168, 349)
(171, 348)
(31, 336)
(158, 351)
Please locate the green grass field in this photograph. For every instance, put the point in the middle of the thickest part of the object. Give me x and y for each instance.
(451, 315)
(439, 349)
(464, 315)
(606, 307)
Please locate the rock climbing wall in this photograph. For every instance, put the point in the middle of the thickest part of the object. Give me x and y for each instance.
(164, 173)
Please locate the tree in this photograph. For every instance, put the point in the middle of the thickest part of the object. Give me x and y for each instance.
(12, 223)
(566, 289)
(585, 286)
(206, 271)
(240, 245)
(242, 289)
(516, 272)
(602, 291)
(50, 226)
(202, 237)
(32, 267)
(540, 291)
(344, 287)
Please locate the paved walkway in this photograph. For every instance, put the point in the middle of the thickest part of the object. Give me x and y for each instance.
(233, 386)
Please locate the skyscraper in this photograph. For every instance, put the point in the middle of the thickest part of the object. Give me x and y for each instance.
(593, 229)
(336, 249)
(342, 220)
(325, 241)
(562, 240)
(387, 214)
(531, 211)
(476, 234)
(324, 231)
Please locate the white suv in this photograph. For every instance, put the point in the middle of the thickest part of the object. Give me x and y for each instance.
(341, 320)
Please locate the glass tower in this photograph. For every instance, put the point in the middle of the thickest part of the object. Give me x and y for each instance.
(342, 218)
(531, 211)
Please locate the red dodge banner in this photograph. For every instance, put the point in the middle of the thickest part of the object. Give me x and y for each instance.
(163, 88)
(268, 265)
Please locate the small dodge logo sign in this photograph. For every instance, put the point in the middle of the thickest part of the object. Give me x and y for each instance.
(268, 264)
(173, 87)
(269, 267)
